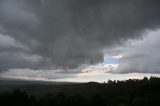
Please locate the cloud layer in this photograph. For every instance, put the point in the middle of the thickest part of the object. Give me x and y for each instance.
(65, 34)
(141, 56)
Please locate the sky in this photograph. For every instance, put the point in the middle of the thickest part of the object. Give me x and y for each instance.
(79, 40)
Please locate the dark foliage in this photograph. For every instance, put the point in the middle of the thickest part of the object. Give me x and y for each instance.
(145, 92)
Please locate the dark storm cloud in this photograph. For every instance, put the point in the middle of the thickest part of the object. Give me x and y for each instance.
(69, 33)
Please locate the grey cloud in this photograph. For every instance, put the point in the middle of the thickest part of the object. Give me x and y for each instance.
(68, 33)
(29, 74)
(141, 56)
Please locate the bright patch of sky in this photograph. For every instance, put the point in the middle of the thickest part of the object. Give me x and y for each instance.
(110, 60)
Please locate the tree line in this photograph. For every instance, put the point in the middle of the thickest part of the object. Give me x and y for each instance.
(132, 92)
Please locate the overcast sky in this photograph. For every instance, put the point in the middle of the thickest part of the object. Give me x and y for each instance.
(67, 39)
